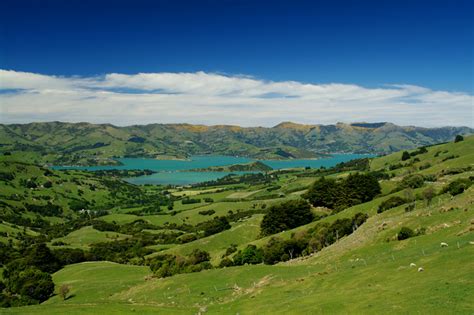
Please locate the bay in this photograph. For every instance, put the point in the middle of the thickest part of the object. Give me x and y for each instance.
(175, 172)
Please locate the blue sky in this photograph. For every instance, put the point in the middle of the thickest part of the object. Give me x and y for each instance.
(370, 44)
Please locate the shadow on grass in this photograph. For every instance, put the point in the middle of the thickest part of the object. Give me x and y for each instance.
(69, 297)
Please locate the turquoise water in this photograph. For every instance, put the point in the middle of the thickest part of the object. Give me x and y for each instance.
(168, 171)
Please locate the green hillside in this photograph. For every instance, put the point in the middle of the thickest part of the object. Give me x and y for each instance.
(359, 257)
(88, 144)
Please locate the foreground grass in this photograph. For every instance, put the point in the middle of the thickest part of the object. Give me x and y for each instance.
(367, 272)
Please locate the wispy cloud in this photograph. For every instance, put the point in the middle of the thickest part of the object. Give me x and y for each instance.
(211, 98)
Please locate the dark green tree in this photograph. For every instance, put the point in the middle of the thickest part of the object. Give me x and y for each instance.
(286, 216)
(405, 156)
(41, 257)
(250, 255)
(324, 193)
(458, 138)
(29, 282)
(405, 232)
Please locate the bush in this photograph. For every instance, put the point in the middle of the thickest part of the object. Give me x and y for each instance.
(67, 256)
(48, 184)
(186, 238)
(390, 203)
(214, 226)
(405, 233)
(457, 186)
(405, 156)
(428, 194)
(424, 166)
(430, 178)
(207, 212)
(187, 201)
(64, 291)
(230, 250)
(226, 262)
(250, 255)
(167, 265)
(42, 258)
(458, 138)
(412, 181)
(37, 286)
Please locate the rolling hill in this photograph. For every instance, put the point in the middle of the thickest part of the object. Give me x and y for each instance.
(370, 270)
(89, 144)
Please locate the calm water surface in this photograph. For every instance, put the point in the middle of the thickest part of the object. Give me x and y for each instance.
(168, 171)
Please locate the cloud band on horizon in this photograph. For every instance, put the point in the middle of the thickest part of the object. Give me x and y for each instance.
(210, 98)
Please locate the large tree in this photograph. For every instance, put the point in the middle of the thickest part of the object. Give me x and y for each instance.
(286, 216)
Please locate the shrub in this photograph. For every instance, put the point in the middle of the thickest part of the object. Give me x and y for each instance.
(457, 186)
(214, 226)
(412, 181)
(405, 233)
(226, 262)
(188, 200)
(64, 291)
(250, 255)
(424, 166)
(207, 212)
(458, 138)
(67, 256)
(405, 156)
(186, 238)
(430, 178)
(230, 250)
(167, 265)
(450, 157)
(428, 194)
(390, 203)
(48, 184)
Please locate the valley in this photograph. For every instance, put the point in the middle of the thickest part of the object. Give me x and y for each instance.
(255, 243)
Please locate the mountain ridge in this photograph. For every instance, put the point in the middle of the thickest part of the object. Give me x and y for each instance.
(87, 143)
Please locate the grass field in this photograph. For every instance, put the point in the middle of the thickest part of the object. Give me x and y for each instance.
(366, 272)
(87, 235)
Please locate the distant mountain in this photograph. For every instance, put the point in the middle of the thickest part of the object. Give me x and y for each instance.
(85, 143)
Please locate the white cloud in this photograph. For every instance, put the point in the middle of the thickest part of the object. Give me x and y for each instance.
(210, 98)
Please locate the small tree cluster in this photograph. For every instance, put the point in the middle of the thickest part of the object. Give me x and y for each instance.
(404, 233)
(301, 243)
(167, 265)
(286, 216)
(390, 203)
(341, 194)
(457, 186)
(458, 138)
(405, 156)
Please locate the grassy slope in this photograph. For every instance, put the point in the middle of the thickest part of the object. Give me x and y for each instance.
(87, 235)
(67, 143)
(366, 272)
(241, 233)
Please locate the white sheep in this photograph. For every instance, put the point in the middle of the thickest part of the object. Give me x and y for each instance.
(421, 269)
(412, 265)
(443, 244)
